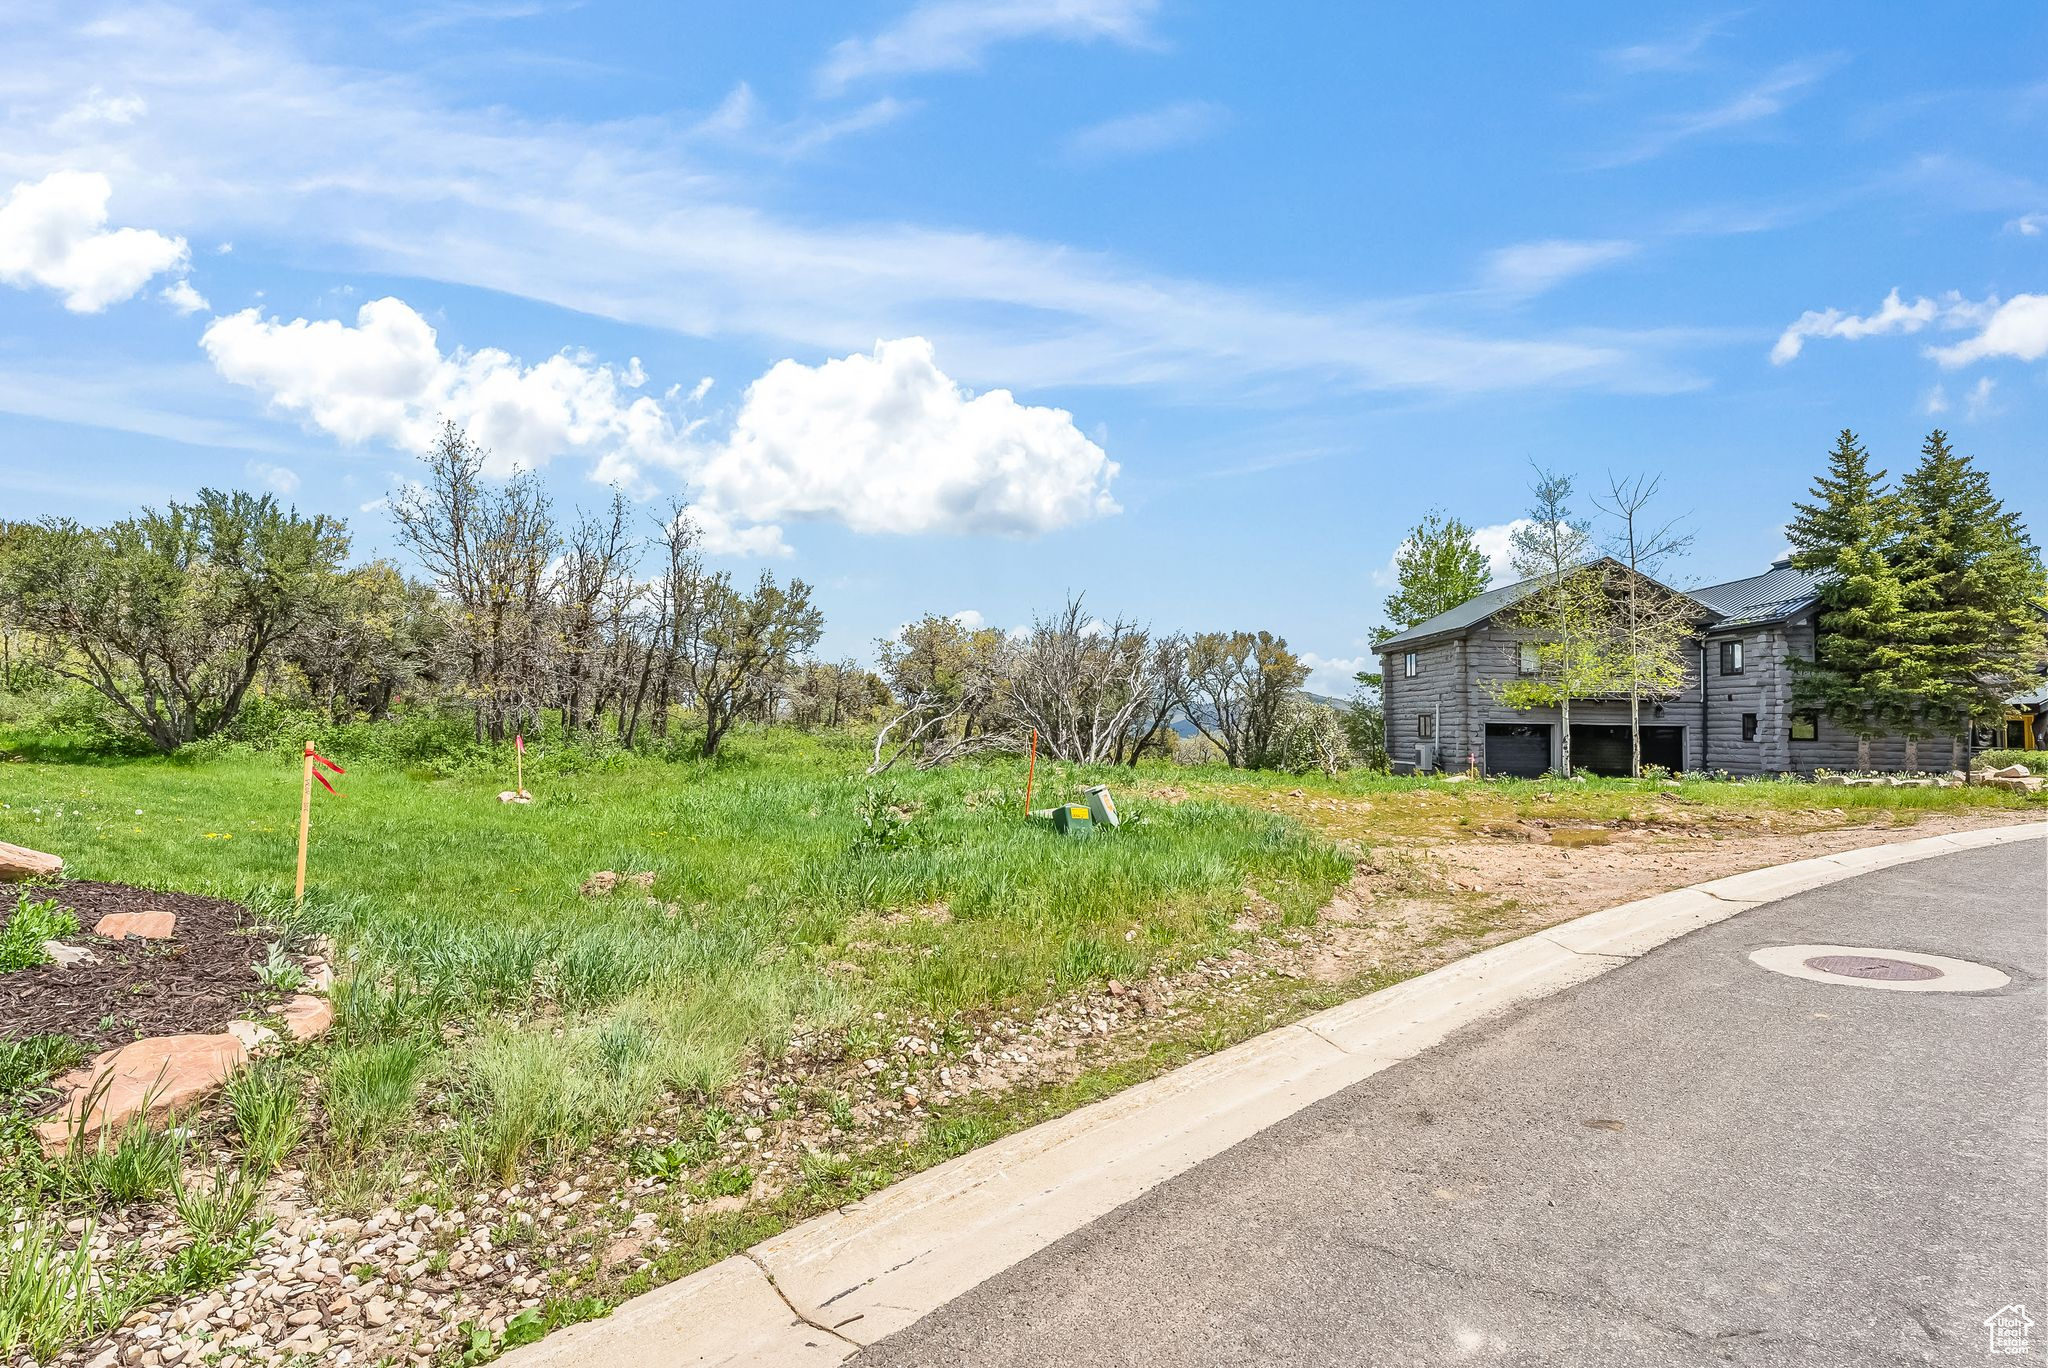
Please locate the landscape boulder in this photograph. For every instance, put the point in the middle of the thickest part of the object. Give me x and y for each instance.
(306, 1016)
(19, 862)
(2011, 772)
(142, 1078)
(155, 925)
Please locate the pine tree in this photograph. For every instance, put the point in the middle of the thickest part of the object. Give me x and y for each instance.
(1845, 539)
(1438, 567)
(1970, 578)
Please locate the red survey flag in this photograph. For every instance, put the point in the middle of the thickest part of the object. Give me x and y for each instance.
(519, 743)
(312, 754)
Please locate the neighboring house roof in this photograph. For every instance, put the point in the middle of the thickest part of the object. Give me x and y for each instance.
(1777, 593)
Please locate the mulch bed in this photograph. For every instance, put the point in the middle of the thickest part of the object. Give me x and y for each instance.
(196, 980)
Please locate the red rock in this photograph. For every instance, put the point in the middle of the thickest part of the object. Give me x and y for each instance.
(141, 925)
(306, 1016)
(145, 1077)
(19, 862)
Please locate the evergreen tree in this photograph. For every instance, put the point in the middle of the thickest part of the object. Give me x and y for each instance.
(1970, 578)
(1438, 567)
(1844, 538)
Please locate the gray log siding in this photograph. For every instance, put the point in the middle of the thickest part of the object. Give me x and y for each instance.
(1458, 678)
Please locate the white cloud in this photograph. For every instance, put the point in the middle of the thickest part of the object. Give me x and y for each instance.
(280, 479)
(971, 619)
(2018, 328)
(386, 379)
(953, 35)
(700, 389)
(2028, 225)
(180, 295)
(1936, 401)
(1978, 402)
(720, 536)
(1497, 541)
(1675, 53)
(1762, 101)
(1331, 676)
(1894, 315)
(390, 177)
(1151, 130)
(1529, 268)
(53, 232)
(97, 107)
(887, 442)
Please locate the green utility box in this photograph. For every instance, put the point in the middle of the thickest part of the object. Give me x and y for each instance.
(1069, 819)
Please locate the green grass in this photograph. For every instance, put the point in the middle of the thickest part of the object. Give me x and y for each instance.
(469, 959)
(490, 1018)
(34, 921)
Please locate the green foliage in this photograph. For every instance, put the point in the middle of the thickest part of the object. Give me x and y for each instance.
(2036, 761)
(370, 1091)
(29, 1062)
(1238, 686)
(139, 1164)
(170, 614)
(268, 1118)
(1365, 720)
(221, 1206)
(1568, 613)
(1310, 738)
(34, 921)
(278, 971)
(885, 822)
(1437, 567)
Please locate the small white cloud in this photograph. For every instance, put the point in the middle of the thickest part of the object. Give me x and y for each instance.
(720, 537)
(224, 249)
(386, 379)
(279, 479)
(374, 506)
(1529, 268)
(1497, 542)
(53, 233)
(2018, 328)
(2029, 225)
(700, 389)
(1151, 130)
(1894, 315)
(100, 108)
(887, 442)
(1936, 401)
(953, 35)
(1757, 103)
(1978, 403)
(1331, 676)
(180, 295)
(1675, 53)
(972, 620)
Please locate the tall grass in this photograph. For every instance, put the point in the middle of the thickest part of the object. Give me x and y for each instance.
(265, 1102)
(371, 1090)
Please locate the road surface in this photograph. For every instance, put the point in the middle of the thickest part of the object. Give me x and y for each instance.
(1689, 1160)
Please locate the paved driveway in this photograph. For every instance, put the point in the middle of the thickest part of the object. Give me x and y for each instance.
(1689, 1160)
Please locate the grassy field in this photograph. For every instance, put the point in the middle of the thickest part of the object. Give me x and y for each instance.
(790, 896)
(493, 1020)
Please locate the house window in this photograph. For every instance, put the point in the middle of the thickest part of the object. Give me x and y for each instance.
(1409, 665)
(1528, 658)
(1425, 725)
(1749, 726)
(1805, 726)
(1731, 657)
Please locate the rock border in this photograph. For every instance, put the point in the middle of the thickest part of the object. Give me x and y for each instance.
(822, 1290)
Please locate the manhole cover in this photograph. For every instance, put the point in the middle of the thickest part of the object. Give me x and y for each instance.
(1865, 966)
(1873, 967)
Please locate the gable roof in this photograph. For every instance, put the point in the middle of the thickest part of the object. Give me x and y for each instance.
(1777, 593)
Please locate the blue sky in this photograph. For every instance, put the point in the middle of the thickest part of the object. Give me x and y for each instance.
(1192, 307)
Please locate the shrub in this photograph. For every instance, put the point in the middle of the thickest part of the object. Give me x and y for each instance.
(1311, 738)
(2035, 761)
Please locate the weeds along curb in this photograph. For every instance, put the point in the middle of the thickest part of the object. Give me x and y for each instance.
(819, 1291)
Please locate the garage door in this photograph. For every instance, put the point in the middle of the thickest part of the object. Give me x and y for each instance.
(1604, 749)
(1518, 748)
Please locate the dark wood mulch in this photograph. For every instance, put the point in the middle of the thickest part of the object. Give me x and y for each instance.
(197, 980)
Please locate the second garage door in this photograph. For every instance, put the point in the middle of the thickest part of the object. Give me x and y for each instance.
(1518, 748)
(1604, 749)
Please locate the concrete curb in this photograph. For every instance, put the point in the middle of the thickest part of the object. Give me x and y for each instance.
(819, 1291)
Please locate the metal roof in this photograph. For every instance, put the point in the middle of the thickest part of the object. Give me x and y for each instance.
(1778, 592)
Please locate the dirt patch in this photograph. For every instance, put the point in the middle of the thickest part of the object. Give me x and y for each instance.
(192, 982)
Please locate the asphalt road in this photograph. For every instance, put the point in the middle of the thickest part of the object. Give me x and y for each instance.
(1689, 1160)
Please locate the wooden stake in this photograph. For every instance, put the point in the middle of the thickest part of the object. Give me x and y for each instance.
(305, 823)
(1030, 771)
